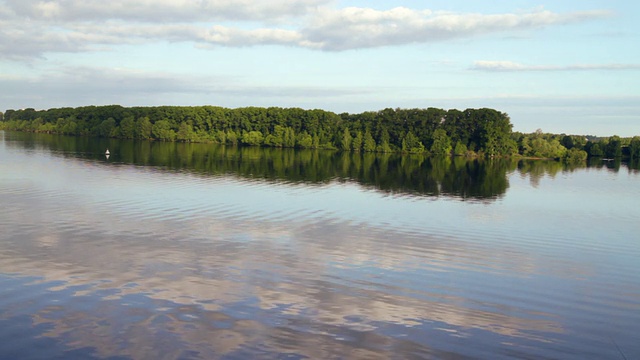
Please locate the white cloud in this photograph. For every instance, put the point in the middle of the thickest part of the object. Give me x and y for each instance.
(361, 28)
(30, 28)
(484, 65)
(161, 10)
(238, 37)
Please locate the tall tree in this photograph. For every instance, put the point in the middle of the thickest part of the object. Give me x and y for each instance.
(143, 128)
(411, 144)
(369, 143)
(346, 140)
(613, 149)
(441, 143)
(357, 141)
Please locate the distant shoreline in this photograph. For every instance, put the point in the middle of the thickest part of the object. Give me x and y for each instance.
(431, 131)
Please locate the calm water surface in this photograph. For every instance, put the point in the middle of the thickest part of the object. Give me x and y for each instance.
(174, 251)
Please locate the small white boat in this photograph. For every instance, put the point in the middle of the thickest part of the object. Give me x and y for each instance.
(107, 152)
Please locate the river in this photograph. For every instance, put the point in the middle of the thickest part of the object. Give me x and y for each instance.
(197, 251)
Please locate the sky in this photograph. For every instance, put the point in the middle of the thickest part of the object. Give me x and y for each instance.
(563, 66)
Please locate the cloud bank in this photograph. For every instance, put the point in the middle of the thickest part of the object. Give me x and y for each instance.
(353, 28)
(32, 28)
(506, 66)
(161, 10)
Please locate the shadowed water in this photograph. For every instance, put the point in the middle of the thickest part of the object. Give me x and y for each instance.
(183, 251)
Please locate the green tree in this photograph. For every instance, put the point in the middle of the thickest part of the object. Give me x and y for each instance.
(254, 138)
(304, 140)
(460, 149)
(289, 137)
(105, 128)
(369, 143)
(220, 137)
(345, 144)
(115, 132)
(48, 128)
(441, 143)
(162, 131)
(556, 150)
(542, 146)
(575, 156)
(384, 145)
(186, 133)
(595, 149)
(67, 126)
(356, 144)
(128, 127)
(411, 144)
(232, 137)
(276, 139)
(143, 128)
(613, 149)
(493, 133)
(567, 142)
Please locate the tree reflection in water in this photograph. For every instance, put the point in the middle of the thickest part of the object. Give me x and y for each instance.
(458, 177)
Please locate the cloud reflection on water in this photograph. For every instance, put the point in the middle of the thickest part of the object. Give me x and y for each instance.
(274, 286)
(127, 261)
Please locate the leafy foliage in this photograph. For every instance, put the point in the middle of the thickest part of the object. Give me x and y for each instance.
(441, 143)
(411, 144)
(472, 131)
(575, 156)
(460, 149)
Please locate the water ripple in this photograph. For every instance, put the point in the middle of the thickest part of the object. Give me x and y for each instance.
(141, 262)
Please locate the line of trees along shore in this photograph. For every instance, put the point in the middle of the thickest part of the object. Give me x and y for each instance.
(472, 132)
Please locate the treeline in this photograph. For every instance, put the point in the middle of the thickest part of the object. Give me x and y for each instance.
(472, 132)
(437, 131)
(576, 148)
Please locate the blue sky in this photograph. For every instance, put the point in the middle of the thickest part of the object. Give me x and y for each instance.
(562, 66)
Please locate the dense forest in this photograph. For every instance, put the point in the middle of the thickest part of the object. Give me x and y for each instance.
(472, 132)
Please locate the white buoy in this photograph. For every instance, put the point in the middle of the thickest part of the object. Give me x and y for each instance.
(107, 152)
